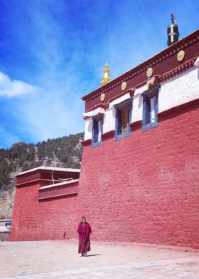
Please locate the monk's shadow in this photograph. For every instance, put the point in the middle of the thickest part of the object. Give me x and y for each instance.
(93, 255)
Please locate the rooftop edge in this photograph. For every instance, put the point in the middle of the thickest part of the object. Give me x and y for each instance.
(43, 168)
(141, 65)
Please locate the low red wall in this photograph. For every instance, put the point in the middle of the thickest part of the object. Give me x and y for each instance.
(47, 219)
(145, 188)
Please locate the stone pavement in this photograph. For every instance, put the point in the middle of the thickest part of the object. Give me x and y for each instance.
(59, 260)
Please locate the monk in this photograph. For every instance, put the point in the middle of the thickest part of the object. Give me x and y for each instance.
(84, 231)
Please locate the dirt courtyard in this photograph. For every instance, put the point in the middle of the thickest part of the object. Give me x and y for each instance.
(59, 260)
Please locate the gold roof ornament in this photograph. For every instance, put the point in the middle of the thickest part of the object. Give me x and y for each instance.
(106, 75)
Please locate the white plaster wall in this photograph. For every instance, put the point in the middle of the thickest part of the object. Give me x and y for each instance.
(88, 128)
(174, 92)
(137, 104)
(109, 120)
(179, 90)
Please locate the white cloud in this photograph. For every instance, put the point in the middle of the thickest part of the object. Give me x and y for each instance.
(12, 88)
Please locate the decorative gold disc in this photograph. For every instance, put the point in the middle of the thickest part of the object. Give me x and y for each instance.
(149, 72)
(180, 55)
(124, 85)
(102, 97)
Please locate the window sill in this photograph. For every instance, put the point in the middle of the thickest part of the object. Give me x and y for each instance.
(149, 126)
(119, 137)
(96, 144)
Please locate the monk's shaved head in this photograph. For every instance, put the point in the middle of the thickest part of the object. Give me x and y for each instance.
(83, 219)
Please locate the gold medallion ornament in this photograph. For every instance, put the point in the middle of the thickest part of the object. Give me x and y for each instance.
(180, 55)
(149, 72)
(102, 97)
(123, 85)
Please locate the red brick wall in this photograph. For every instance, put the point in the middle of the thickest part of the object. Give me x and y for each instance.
(50, 219)
(25, 206)
(145, 188)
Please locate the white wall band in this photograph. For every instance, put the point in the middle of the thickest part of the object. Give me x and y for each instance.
(174, 92)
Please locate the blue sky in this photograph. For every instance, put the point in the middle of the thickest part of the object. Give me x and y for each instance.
(52, 52)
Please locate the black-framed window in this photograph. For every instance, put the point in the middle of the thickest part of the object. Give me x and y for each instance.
(123, 116)
(97, 130)
(150, 110)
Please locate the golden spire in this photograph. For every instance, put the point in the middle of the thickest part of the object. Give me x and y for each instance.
(106, 75)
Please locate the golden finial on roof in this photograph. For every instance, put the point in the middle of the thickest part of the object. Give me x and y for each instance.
(106, 75)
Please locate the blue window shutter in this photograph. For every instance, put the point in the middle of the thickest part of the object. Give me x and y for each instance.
(100, 127)
(129, 117)
(143, 111)
(153, 112)
(95, 130)
(146, 110)
(154, 109)
(118, 121)
(150, 108)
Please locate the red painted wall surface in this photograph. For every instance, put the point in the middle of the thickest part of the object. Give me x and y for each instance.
(145, 188)
(40, 220)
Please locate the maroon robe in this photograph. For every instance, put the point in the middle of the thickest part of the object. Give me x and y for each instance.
(84, 231)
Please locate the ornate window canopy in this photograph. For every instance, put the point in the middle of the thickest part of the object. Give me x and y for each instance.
(120, 100)
(153, 86)
(93, 113)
